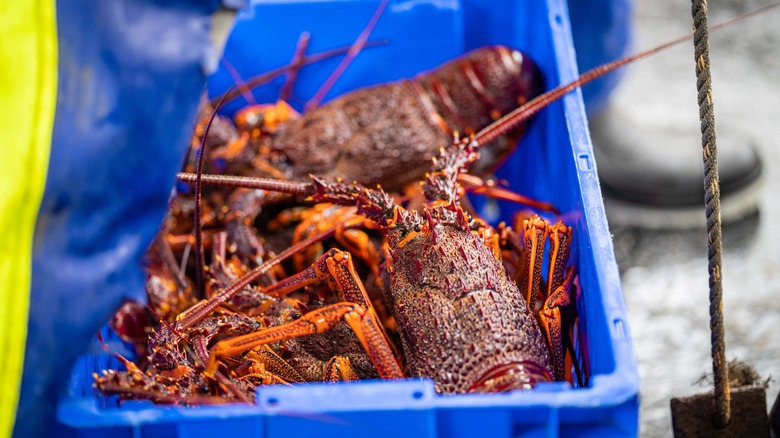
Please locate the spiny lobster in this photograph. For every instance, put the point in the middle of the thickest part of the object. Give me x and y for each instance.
(462, 320)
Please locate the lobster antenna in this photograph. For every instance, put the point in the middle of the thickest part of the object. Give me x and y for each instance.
(525, 112)
(245, 91)
(169, 260)
(263, 78)
(353, 51)
(185, 256)
(292, 74)
(200, 310)
(200, 258)
(270, 184)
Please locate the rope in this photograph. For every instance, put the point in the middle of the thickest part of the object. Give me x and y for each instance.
(722, 413)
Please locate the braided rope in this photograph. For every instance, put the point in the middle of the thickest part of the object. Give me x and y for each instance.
(722, 413)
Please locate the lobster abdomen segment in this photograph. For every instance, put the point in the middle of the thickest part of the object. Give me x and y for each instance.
(476, 89)
(354, 137)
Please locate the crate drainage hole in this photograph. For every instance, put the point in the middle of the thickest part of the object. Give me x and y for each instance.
(273, 401)
(584, 161)
(417, 395)
(621, 331)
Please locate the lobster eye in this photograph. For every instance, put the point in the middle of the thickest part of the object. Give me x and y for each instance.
(417, 227)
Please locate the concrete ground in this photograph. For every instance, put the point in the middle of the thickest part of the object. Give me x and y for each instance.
(664, 273)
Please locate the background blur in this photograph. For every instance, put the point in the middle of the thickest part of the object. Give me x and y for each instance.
(664, 274)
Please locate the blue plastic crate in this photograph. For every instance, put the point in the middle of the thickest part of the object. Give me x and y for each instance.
(554, 163)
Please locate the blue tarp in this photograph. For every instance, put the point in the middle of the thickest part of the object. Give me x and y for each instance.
(130, 77)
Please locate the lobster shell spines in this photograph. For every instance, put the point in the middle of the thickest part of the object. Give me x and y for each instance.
(459, 315)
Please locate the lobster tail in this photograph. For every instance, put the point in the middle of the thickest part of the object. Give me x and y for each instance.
(508, 377)
(475, 90)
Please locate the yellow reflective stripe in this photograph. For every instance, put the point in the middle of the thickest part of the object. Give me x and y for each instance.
(28, 94)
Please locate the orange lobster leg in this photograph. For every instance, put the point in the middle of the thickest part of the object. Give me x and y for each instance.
(339, 369)
(256, 370)
(553, 325)
(333, 265)
(266, 377)
(275, 364)
(559, 236)
(530, 272)
(558, 299)
(345, 223)
(318, 321)
(477, 185)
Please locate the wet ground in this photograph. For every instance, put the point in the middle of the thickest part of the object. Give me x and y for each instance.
(664, 273)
